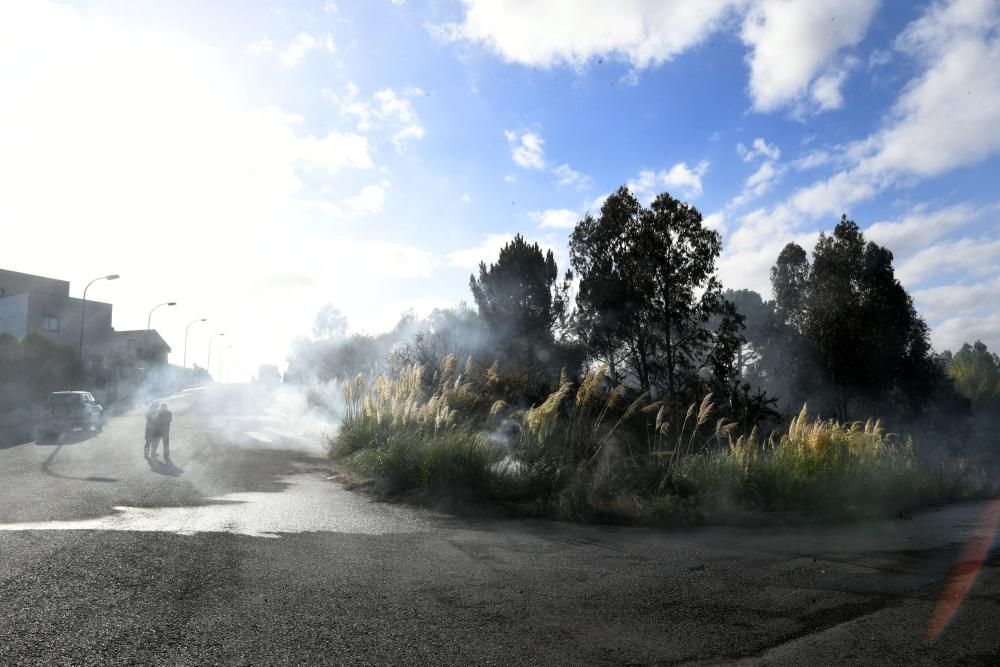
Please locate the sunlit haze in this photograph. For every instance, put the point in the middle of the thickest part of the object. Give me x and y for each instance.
(255, 161)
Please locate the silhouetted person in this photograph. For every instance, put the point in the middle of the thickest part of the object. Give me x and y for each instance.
(151, 429)
(163, 418)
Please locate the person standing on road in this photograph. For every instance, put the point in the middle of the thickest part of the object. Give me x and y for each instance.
(151, 428)
(163, 418)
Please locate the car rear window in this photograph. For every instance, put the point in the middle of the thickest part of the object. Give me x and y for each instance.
(64, 400)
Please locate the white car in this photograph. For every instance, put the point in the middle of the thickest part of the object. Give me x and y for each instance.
(70, 410)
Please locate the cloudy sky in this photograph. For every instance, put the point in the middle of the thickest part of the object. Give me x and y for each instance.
(256, 160)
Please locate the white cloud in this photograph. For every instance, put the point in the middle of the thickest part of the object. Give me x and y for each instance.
(370, 200)
(526, 149)
(387, 110)
(752, 244)
(961, 312)
(758, 184)
(762, 177)
(569, 176)
(967, 255)
(949, 115)
(389, 105)
(951, 333)
(406, 135)
(545, 33)
(687, 180)
(759, 148)
(921, 227)
(395, 260)
(680, 178)
(466, 198)
(296, 51)
(879, 58)
(335, 151)
(799, 51)
(796, 49)
(594, 208)
(261, 47)
(826, 90)
(958, 44)
(834, 195)
(630, 78)
(559, 218)
(716, 221)
(812, 160)
(487, 251)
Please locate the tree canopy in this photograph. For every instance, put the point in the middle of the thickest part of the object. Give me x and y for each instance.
(976, 373)
(648, 292)
(854, 327)
(518, 294)
(329, 323)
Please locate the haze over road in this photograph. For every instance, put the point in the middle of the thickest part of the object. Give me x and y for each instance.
(244, 552)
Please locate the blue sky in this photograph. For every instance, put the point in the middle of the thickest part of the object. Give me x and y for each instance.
(256, 160)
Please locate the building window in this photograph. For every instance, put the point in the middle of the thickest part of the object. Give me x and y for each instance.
(50, 323)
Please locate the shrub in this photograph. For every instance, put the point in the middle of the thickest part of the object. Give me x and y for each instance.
(590, 449)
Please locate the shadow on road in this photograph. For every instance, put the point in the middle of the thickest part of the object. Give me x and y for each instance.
(15, 437)
(165, 468)
(66, 438)
(47, 466)
(11, 437)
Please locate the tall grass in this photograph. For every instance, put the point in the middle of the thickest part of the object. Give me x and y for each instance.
(816, 465)
(593, 448)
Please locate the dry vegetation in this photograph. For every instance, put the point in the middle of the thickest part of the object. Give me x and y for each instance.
(595, 450)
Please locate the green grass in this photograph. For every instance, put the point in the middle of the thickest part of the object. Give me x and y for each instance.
(454, 460)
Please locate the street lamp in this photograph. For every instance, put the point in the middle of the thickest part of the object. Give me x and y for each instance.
(83, 307)
(208, 362)
(186, 338)
(149, 321)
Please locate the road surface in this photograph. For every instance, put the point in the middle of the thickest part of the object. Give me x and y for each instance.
(244, 552)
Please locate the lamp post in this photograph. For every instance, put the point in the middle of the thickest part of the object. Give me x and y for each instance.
(149, 321)
(208, 361)
(83, 308)
(186, 338)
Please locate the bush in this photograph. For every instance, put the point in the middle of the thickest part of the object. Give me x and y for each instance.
(591, 450)
(455, 461)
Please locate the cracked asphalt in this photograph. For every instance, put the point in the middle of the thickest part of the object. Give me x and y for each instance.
(243, 552)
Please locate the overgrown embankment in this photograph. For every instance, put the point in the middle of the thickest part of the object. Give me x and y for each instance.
(594, 450)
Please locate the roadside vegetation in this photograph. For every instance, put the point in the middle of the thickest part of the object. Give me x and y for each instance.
(595, 451)
(635, 387)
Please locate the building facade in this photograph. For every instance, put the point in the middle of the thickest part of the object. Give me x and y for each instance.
(35, 304)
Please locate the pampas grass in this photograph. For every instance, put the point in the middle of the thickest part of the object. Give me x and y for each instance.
(591, 444)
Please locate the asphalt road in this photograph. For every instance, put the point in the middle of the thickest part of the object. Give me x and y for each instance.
(244, 552)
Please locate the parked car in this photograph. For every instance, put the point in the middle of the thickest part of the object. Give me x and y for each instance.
(70, 410)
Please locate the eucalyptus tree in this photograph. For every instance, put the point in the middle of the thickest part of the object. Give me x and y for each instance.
(649, 294)
(854, 324)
